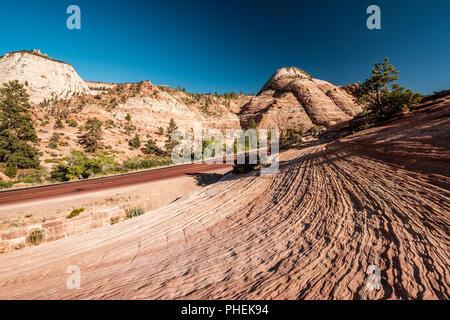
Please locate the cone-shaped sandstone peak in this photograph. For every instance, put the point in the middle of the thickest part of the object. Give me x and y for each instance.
(292, 99)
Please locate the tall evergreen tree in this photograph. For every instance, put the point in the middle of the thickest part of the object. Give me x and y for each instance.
(150, 147)
(380, 96)
(169, 142)
(17, 130)
(135, 142)
(92, 135)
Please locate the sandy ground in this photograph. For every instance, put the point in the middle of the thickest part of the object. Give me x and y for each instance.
(148, 196)
(309, 231)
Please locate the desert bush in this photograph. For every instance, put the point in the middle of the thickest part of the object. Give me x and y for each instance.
(245, 167)
(71, 123)
(115, 220)
(145, 162)
(58, 124)
(151, 148)
(110, 124)
(11, 170)
(290, 138)
(80, 166)
(230, 95)
(75, 213)
(436, 95)
(135, 142)
(134, 212)
(5, 185)
(315, 130)
(53, 144)
(34, 177)
(129, 128)
(35, 237)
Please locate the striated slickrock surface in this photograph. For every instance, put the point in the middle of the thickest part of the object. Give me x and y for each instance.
(44, 78)
(292, 98)
(312, 230)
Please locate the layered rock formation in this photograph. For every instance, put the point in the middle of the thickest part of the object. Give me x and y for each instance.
(44, 78)
(309, 231)
(292, 98)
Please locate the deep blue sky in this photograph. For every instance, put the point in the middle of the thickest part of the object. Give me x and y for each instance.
(236, 44)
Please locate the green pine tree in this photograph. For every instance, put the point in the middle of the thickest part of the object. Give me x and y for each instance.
(380, 96)
(92, 135)
(169, 143)
(17, 128)
(151, 148)
(135, 142)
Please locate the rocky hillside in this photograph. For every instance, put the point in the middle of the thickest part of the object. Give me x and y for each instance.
(292, 98)
(128, 109)
(63, 102)
(45, 78)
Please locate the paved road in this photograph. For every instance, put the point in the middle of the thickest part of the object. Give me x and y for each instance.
(86, 186)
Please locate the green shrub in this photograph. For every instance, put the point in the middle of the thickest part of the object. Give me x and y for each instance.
(53, 145)
(74, 213)
(145, 162)
(11, 170)
(315, 130)
(151, 148)
(110, 124)
(34, 177)
(35, 237)
(134, 212)
(6, 185)
(290, 138)
(135, 142)
(115, 220)
(129, 128)
(245, 167)
(71, 123)
(128, 117)
(80, 166)
(59, 124)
